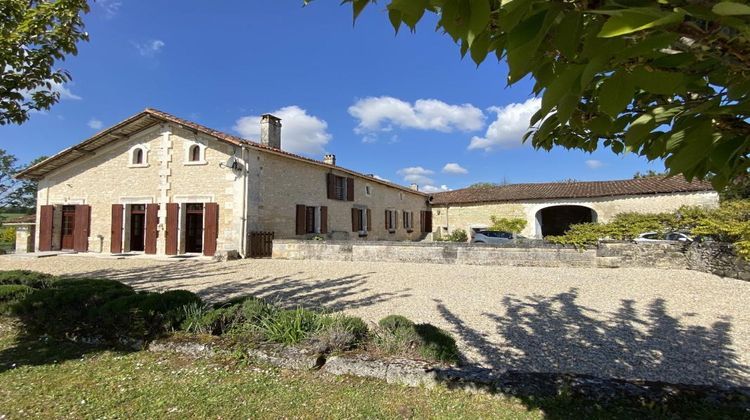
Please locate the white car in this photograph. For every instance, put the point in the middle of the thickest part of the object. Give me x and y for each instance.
(656, 237)
(492, 237)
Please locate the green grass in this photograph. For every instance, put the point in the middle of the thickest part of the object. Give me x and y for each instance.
(54, 379)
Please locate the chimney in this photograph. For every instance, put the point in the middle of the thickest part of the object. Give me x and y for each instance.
(414, 187)
(329, 159)
(270, 131)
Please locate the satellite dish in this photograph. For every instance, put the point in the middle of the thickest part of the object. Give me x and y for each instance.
(233, 164)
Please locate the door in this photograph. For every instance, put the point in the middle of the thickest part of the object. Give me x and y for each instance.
(68, 227)
(45, 227)
(115, 246)
(173, 220)
(152, 226)
(82, 225)
(194, 228)
(137, 227)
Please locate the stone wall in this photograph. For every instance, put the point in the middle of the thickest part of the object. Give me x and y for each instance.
(644, 254)
(717, 258)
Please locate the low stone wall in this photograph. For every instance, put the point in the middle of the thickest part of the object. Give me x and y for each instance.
(715, 258)
(434, 252)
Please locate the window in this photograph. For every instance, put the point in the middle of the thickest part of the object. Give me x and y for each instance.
(409, 221)
(340, 188)
(391, 224)
(368, 190)
(311, 219)
(195, 153)
(138, 157)
(361, 219)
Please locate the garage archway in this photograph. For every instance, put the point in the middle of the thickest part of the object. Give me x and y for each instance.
(556, 220)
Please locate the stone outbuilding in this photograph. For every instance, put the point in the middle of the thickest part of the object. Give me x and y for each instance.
(25, 232)
(550, 208)
(158, 184)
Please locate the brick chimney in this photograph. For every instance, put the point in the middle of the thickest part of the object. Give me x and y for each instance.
(270, 131)
(329, 159)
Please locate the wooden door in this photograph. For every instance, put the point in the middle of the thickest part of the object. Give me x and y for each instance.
(138, 227)
(173, 223)
(46, 215)
(81, 228)
(152, 222)
(194, 227)
(115, 246)
(211, 230)
(68, 227)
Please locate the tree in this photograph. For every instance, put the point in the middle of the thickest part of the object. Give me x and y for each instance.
(26, 190)
(649, 174)
(15, 193)
(664, 79)
(35, 35)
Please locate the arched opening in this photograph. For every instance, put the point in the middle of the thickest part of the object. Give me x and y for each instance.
(138, 156)
(195, 153)
(556, 220)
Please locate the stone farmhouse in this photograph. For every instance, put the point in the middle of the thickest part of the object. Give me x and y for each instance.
(161, 185)
(550, 208)
(158, 184)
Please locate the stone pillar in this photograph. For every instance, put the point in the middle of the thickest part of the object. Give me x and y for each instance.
(25, 235)
(165, 172)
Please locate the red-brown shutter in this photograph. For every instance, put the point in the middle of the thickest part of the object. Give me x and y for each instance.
(81, 228)
(331, 185)
(301, 221)
(115, 246)
(152, 221)
(45, 227)
(349, 189)
(323, 219)
(211, 228)
(355, 220)
(173, 220)
(369, 220)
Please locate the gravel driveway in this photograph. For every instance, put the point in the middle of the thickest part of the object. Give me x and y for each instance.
(670, 325)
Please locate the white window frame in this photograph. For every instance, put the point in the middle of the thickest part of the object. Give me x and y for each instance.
(340, 188)
(408, 218)
(201, 151)
(131, 156)
(392, 220)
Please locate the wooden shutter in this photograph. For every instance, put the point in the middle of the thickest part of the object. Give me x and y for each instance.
(355, 220)
(45, 227)
(300, 221)
(349, 189)
(210, 229)
(173, 222)
(323, 219)
(369, 220)
(331, 185)
(81, 228)
(152, 221)
(395, 219)
(115, 246)
(387, 225)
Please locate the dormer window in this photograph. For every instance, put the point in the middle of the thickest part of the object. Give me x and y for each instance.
(195, 154)
(138, 157)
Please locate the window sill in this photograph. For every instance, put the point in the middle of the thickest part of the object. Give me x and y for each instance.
(138, 165)
(196, 163)
(409, 230)
(362, 234)
(391, 230)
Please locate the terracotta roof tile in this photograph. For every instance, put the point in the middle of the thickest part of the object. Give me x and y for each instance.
(29, 218)
(557, 190)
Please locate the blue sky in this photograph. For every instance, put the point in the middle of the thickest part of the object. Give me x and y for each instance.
(403, 107)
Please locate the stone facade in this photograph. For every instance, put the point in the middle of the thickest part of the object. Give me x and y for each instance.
(24, 238)
(447, 218)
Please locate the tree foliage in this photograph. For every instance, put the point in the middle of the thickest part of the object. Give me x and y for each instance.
(35, 35)
(15, 193)
(664, 79)
(512, 225)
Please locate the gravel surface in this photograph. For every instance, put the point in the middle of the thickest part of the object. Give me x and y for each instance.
(670, 325)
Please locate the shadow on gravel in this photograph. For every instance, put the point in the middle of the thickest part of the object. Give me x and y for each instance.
(555, 334)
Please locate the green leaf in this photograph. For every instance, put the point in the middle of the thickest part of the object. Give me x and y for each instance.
(562, 84)
(357, 7)
(480, 48)
(633, 21)
(730, 8)
(615, 93)
(657, 81)
(395, 17)
(567, 34)
(479, 19)
(639, 129)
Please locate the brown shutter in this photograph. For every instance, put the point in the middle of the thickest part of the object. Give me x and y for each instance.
(45, 227)
(81, 228)
(301, 220)
(349, 189)
(369, 220)
(210, 229)
(152, 221)
(331, 185)
(422, 221)
(355, 220)
(173, 220)
(386, 220)
(324, 219)
(115, 246)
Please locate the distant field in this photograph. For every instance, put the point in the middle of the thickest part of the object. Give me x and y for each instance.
(7, 216)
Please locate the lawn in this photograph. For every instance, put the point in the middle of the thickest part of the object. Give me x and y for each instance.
(43, 378)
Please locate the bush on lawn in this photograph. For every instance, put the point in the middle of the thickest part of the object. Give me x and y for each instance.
(10, 294)
(29, 278)
(105, 309)
(400, 336)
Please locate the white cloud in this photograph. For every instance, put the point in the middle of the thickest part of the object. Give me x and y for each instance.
(594, 164)
(417, 175)
(434, 189)
(300, 133)
(149, 48)
(454, 168)
(95, 124)
(509, 127)
(110, 7)
(64, 92)
(383, 112)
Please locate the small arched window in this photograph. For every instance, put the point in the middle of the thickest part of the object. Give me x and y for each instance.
(138, 156)
(194, 154)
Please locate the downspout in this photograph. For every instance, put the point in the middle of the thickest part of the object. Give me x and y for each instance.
(245, 171)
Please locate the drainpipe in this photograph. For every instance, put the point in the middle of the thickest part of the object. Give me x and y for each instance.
(243, 230)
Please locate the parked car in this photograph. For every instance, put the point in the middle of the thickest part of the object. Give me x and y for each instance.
(492, 237)
(657, 237)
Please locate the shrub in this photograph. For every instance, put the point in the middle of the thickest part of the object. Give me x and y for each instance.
(400, 336)
(29, 278)
(395, 322)
(101, 308)
(198, 318)
(290, 326)
(437, 344)
(13, 292)
(512, 225)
